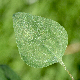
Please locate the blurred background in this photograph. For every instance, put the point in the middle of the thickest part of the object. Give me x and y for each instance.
(66, 12)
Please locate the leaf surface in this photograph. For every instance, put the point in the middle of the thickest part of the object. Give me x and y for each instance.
(41, 42)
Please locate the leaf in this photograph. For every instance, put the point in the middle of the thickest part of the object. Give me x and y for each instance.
(2, 76)
(7, 74)
(41, 42)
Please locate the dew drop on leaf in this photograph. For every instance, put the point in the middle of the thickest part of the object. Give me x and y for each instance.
(41, 42)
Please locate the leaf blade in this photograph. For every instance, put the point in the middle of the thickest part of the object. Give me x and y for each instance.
(40, 41)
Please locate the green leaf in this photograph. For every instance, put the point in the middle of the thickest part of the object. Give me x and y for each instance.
(7, 74)
(2, 76)
(41, 42)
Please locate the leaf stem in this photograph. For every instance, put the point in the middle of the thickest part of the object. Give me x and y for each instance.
(66, 69)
